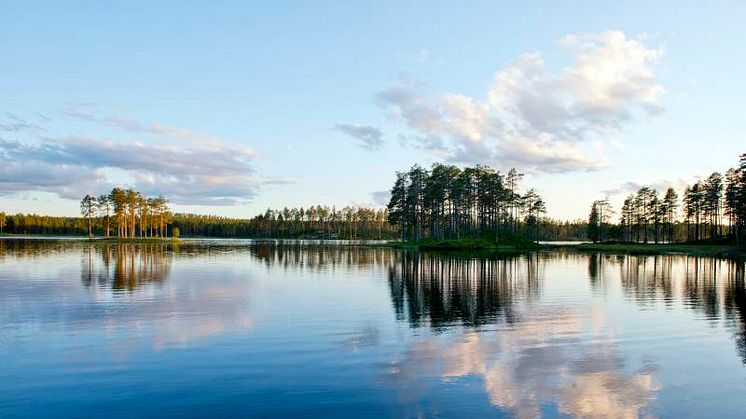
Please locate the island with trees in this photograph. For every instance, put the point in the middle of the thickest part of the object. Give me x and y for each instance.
(474, 208)
(127, 214)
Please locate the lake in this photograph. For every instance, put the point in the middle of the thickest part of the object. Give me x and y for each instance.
(245, 329)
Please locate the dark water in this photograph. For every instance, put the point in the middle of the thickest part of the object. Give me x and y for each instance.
(235, 329)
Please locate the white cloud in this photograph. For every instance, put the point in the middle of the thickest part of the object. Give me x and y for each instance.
(533, 118)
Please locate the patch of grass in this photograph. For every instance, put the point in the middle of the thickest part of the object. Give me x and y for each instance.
(469, 244)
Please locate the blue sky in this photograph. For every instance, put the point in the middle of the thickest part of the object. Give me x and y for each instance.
(233, 107)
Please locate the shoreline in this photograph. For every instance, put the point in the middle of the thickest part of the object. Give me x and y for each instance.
(509, 245)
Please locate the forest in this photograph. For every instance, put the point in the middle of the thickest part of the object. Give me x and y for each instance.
(447, 202)
(316, 222)
(313, 222)
(131, 215)
(712, 210)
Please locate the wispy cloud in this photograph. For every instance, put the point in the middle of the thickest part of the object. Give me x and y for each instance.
(531, 117)
(368, 137)
(659, 185)
(83, 111)
(13, 123)
(74, 165)
(198, 170)
(126, 123)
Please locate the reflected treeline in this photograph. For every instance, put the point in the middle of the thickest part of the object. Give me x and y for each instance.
(125, 266)
(699, 283)
(734, 302)
(29, 248)
(711, 286)
(301, 256)
(648, 278)
(442, 289)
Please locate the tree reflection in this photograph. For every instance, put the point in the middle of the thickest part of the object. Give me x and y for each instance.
(441, 289)
(735, 305)
(713, 287)
(125, 266)
(302, 256)
(647, 278)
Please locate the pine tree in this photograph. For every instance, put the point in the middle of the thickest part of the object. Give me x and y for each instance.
(87, 205)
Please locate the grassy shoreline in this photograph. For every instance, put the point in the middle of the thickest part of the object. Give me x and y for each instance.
(467, 244)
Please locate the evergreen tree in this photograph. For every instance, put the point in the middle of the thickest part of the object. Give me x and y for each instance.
(594, 222)
(87, 205)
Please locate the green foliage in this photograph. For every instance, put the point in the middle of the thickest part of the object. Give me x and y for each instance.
(447, 202)
(471, 243)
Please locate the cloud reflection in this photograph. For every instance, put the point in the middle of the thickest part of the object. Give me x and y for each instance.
(562, 362)
(526, 355)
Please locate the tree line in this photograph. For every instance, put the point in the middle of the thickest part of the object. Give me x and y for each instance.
(349, 222)
(42, 224)
(712, 209)
(313, 222)
(263, 226)
(133, 215)
(449, 202)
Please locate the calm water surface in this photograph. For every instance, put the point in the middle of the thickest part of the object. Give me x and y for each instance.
(225, 328)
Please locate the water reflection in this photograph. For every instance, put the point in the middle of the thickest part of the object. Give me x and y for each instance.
(525, 354)
(533, 354)
(542, 334)
(712, 287)
(537, 362)
(125, 266)
(734, 302)
(441, 290)
(299, 256)
(127, 289)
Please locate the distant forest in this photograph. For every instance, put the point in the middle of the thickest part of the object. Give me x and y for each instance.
(711, 210)
(142, 220)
